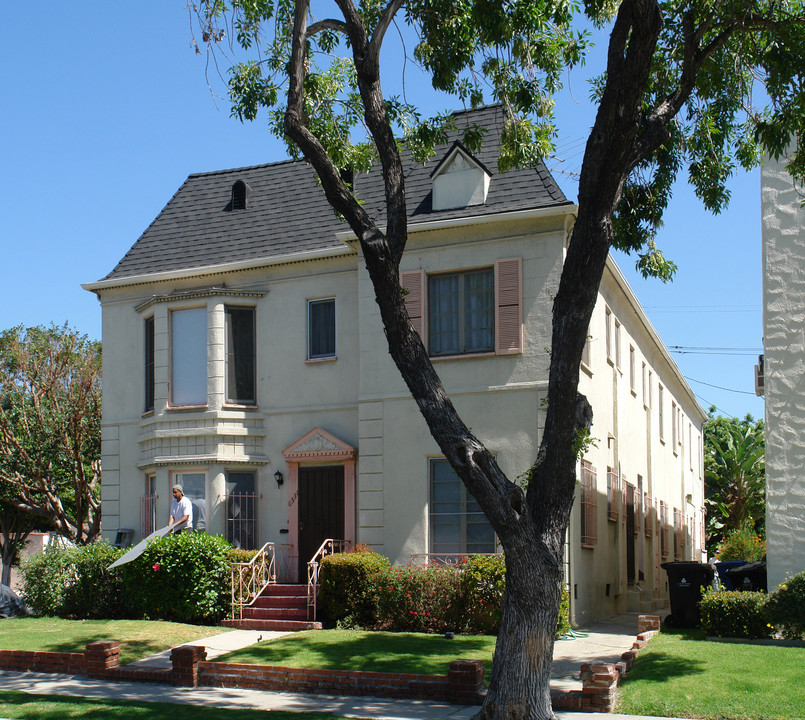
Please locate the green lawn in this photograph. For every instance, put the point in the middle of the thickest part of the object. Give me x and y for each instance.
(42, 707)
(374, 651)
(682, 675)
(138, 638)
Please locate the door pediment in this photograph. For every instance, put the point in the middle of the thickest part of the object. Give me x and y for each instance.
(318, 445)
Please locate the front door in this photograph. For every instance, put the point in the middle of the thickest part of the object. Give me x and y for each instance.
(321, 510)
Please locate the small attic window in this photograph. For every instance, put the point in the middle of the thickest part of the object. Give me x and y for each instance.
(240, 194)
(459, 180)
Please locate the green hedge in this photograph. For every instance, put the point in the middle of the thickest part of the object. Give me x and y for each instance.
(184, 577)
(74, 582)
(735, 614)
(347, 595)
(362, 589)
(786, 607)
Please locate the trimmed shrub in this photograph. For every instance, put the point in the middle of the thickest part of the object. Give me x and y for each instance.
(75, 583)
(483, 584)
(786, 607)
(347, 589)
(239, 555)
(563, 621)
(182, 577)
(730, 613)
(411, 599)
(742, 544)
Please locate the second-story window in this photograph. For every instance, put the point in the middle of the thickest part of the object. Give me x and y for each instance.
(461, 317)
(321, 329)
(240, 356)
(149, 364)
(188, 336)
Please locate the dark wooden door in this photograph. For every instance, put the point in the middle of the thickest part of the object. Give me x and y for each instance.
(321, 510)
(630, 533)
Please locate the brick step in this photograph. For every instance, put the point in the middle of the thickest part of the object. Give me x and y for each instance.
(275, 613)
(280, 601)
(289, 590)
(288, 625)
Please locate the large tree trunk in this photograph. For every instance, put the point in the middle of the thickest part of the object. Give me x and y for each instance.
(530, 527)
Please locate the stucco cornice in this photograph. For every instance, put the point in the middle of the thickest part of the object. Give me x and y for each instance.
(348, 237)
(200, 293)
(206, 271)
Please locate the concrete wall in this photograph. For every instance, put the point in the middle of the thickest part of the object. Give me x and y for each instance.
(784, 349)
(627, 439)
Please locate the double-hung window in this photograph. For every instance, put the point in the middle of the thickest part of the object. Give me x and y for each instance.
(461, 315)
(457, 523)
(188, 335)
(321, 329)
(240, 356)
(149, 364)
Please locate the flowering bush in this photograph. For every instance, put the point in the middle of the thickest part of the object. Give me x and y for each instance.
(742, 544)
(735, 614)
(483, 582)
(182, 577)
(786, 607)
(411, 599)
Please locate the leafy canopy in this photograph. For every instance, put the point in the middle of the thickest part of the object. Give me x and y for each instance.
(725, 85)
(735, 475)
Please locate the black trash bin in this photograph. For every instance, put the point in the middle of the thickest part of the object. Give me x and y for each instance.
(686, 582)
(750, 576)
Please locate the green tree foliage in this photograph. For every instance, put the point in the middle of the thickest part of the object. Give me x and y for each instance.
(734, 475)
(676, 94)
(50, 428)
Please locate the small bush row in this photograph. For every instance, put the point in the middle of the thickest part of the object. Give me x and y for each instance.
(362, 589)
(182, 577)
(756, 614)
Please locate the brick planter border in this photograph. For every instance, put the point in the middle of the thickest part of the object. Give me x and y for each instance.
(464, 682)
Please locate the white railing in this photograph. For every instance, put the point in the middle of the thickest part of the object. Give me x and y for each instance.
(251, 578)
(444, 559)
(328, 547)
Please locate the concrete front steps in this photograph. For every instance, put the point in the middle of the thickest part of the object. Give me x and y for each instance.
(279, 607)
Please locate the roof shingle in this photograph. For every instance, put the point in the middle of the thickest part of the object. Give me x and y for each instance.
(288, 213)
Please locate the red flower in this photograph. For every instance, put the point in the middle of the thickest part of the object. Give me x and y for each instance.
(155, 567)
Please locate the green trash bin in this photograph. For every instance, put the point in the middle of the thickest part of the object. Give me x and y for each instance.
(686, 583)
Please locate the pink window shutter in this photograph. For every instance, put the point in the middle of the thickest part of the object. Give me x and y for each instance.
(508, 306)
(413, 283)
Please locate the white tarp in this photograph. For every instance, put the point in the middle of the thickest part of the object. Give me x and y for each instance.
(139, 548)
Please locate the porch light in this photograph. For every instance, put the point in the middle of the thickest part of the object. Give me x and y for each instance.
(278, 477)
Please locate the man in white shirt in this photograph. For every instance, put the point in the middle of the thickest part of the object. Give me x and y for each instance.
(181, 511)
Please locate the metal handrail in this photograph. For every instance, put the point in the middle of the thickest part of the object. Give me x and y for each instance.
(251, 578)
(443, 559)
(328, 547)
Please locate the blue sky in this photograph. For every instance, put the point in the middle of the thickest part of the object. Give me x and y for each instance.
(106, 110)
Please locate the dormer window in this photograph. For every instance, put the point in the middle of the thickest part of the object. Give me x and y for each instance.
(459, 180)
(240, 195)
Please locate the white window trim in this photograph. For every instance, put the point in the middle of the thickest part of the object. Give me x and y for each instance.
(322, 358)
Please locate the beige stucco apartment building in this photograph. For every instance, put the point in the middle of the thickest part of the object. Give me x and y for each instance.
(245, 359)
(783, 380)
